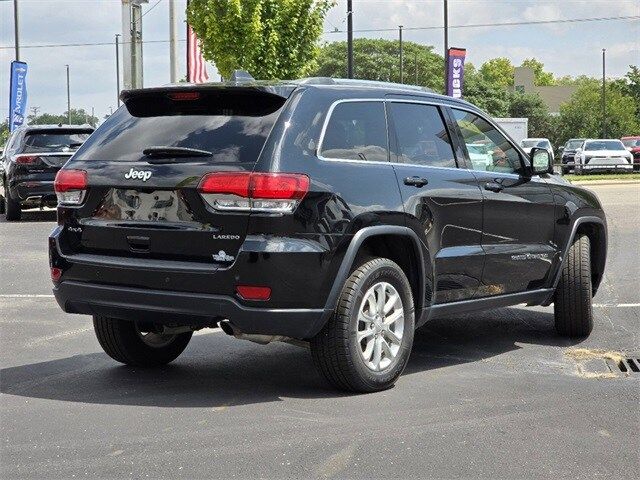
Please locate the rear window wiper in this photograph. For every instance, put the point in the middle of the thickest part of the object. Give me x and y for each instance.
(164, 152)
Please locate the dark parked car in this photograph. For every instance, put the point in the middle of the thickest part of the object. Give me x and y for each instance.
(30, 160)
(569, 153)
(342, 214)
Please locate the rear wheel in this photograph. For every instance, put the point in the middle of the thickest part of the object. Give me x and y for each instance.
(366, 344)
(133, 344)
(573, 310)
(13, 211)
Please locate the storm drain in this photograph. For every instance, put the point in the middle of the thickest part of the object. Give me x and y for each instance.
(629, 365)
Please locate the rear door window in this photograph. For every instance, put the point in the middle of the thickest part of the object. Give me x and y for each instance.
(421, 135)
(356, 131)
(232, 126)
(53, 141)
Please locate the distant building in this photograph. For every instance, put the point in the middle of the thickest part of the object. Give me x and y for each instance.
(553, 96)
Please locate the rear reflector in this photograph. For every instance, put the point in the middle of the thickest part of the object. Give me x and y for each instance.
(56, 273)
(250, 292)
(26, 159)
(261, 192)
(70, 186)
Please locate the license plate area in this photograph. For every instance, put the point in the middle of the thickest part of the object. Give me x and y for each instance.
(153, 206)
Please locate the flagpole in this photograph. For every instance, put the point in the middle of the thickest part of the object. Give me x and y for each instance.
(188, 69)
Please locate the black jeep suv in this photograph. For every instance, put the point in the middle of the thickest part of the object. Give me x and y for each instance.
(339, 214)
(29, 163)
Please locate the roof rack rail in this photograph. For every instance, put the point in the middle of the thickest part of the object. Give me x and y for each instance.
(358, 82)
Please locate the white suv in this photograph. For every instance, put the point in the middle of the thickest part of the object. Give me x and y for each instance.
(602, 154)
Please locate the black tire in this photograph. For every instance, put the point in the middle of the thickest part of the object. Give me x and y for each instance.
(13, 211)
(573, 310)
(2, 204)
(336, 350)
(122, 341)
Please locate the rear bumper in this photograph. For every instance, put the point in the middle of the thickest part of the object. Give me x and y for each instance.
(180, 308)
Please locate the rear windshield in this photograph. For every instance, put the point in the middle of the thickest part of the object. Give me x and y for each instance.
(54, 141)
(604, 145)
(535, 143)
(233, 127)
(573, 144)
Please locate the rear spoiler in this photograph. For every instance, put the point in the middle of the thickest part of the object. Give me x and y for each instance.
(208, 99)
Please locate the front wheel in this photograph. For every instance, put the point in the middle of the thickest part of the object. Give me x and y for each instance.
(134, 344)
(572, 308)
(365, 345)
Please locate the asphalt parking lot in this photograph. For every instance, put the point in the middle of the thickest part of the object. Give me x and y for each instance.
(491, 395)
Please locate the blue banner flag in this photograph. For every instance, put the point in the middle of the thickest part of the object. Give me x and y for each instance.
(455, 71)
(18, 95)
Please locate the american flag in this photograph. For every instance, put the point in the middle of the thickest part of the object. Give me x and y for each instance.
(196, 67)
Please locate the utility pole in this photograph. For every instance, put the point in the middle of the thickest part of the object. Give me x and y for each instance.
(93, 115)
(349, 39)
(416, 67)
(68, 98)
(34, 111)
(132, 43)
(15, 29)
(446, 43)
(604, 96)
(173, 42)
(401, 59)
(118, 69)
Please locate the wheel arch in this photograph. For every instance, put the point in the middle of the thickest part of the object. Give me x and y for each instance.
(397, 243)
(596, 230)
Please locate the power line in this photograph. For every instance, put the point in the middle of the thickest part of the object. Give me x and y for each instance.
(507, 24)
(394, 29)
(150, 8)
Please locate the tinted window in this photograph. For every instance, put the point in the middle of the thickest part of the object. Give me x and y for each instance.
(356, 131)
(604, 145)
(499, 155)
(53, 141)
(573, 144)
(233, 129)
(421, 134)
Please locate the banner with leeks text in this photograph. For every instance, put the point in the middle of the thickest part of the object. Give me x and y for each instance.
(455, 71)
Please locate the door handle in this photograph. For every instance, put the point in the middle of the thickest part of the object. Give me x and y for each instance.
(493, 187)
(416, 181)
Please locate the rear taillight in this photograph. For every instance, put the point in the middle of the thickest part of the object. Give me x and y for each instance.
(255, 192)
(26, 159)
(70, 186)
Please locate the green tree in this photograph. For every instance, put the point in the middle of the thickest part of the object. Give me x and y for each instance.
(531, 106)
(630, 86)
(378, 59)
(493, 99)
(4, 132)
(268, 38)
(498, 71)
(582, 115)
(541, 77)
(78, 117)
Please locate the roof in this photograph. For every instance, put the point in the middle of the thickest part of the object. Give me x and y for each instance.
(56, 126)
(284, 88)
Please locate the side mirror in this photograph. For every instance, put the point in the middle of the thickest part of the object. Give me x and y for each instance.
(561, 149)
(541, 161)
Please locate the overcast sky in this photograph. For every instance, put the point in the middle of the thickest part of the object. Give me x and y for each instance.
(569, 48)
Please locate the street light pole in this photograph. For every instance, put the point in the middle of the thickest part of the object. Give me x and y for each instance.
(604, 96)
(349, 39)
(446, 43)
(15, 29)
(401, 59)
(173, 42)
(68, 98)
(118, 69)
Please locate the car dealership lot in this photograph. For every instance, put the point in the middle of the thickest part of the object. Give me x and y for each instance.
(491, 395)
